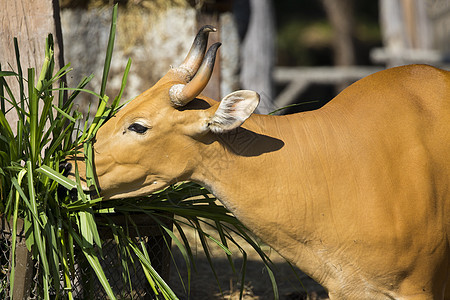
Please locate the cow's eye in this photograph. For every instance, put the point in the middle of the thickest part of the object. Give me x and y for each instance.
(138, 128)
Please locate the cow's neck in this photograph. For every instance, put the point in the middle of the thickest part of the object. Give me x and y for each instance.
(272, 175)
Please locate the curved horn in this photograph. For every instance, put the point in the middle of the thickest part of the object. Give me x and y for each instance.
(195, 56)
(181, 94)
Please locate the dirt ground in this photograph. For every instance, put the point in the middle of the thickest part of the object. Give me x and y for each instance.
(257, 283)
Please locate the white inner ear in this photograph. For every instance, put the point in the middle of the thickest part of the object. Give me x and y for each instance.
(233, 110)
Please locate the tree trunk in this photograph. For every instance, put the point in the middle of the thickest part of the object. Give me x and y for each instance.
(258, 54)
(341, 16)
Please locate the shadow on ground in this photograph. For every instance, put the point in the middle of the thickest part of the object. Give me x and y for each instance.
(257, 281)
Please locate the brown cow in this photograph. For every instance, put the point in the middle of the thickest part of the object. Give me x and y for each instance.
(356, 194)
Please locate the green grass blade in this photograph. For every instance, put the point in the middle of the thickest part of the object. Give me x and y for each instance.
(244, 269)
(223, 238)
(7, 73)
(14, 232)
(204, 243)
(98, 116)
(273, 281)
(58, 177)
(45, 116)
(188, 257)
(93, 261)
(297, 276)
(109, 51)
(95, 264)
(86, 233)
(144, 250)
(65, 262)
(163, 285)
(25, 199)
(12, 100)
(48, 63)
(89, 160)
(29, 235)
(64, 114)
(52, 243)
(34, 117)
(93, 227)
(20, 73)
(6, 131)
(38, 237)
(2, 91)
(79, 88)
(116, 101)
(218, 243)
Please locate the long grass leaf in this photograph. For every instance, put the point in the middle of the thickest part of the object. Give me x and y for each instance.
(25, 199)
(163, 285)
(297, 276)
(20, 73)
(37, 231)
(33, 119)
(218, 243)
(144, 250)
(243, 273)
(45, 114)
(89, 161)
(109, 51)
(2, 90)
(93, 261)
(65, 262)
(6, 130)
(93, 227)
(58, 177)
(14, 232)
(98, 116)
(7, 73)
(47, 66)
(223, 238)
(52, 243)
(79, 88)
(274, 282)
(122, 86)
(206, 251)
(64, 114)
(86, 233)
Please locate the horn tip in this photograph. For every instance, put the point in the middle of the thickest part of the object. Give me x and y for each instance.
(208, 28)
(215, 46)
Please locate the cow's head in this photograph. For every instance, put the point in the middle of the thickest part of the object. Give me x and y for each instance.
(159, 137)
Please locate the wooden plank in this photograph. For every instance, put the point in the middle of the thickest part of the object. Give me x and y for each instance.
(30, 22)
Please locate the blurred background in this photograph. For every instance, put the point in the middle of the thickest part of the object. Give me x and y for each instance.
(288, 51)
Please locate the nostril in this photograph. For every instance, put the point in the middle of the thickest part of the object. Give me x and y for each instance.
(65, 167)
(73, 193)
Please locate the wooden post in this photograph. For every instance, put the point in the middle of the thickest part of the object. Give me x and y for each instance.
(31, 22)
(24, 262)
(24, 265)
(258, 54)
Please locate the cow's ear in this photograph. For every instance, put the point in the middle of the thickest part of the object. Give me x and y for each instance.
(233, 110)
